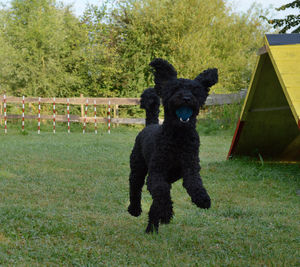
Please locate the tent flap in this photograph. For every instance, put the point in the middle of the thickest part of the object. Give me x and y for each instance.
(269, 123)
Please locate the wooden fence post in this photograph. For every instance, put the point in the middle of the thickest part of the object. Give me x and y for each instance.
(116, 114)
(108, 117)
(1, 113)
(117, 111)
(82, 107)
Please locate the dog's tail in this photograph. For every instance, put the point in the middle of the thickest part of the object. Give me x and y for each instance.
(150, 101)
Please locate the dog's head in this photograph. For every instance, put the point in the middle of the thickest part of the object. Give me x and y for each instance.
(182, 98)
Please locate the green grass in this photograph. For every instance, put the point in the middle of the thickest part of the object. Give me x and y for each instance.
(63, 201)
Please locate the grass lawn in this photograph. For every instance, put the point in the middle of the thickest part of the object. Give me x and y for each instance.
(63, 201)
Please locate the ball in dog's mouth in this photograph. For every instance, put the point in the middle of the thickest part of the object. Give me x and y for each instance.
(184, 114)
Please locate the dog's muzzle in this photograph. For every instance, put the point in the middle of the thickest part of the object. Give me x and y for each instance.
(184, 114)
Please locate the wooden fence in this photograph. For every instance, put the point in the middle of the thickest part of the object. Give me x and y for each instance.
(214, 99)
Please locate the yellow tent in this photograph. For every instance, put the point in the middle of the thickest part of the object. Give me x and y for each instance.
(269, 124)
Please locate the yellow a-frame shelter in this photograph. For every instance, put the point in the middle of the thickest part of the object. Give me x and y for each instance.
(269, 124)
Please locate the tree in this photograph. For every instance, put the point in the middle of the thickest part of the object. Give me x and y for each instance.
(42, 49)
(192, 34)
(101, 66)
(47, 51)
(289, 22)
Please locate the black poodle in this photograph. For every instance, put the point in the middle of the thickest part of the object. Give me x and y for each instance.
(169, 151)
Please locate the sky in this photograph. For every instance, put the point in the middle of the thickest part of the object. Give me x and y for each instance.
(239, 5)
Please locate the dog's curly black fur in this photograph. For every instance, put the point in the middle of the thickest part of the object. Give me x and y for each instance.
(169, 151)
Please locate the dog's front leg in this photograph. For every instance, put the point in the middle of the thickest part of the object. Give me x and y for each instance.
(161, 210)
(193, 184)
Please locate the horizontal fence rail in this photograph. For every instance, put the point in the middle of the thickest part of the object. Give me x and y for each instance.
(76, 118)
(213, 99)
(74, 100)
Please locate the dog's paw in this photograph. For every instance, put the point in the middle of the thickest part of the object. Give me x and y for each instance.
(134, 210)
(202, 201)
(152, 228)
(166, 215)
(205, 203)
(165, 220)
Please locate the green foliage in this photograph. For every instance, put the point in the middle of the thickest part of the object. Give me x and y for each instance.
(290, 21)
(47, 51)
(216, 120)
(193, 35)
(42, 46)
(101, 67)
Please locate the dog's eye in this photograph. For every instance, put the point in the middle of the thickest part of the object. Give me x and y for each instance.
(175, 90)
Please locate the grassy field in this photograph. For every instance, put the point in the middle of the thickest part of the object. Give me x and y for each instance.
(63, 201)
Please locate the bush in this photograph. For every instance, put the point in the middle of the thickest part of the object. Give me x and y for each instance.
(216, 119)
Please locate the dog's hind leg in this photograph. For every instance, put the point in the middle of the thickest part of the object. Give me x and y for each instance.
(136, 181)
(161, 210)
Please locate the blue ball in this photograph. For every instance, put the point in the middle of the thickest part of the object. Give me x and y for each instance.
(184, 113)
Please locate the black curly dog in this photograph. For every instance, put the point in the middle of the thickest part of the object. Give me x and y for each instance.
(169, 151)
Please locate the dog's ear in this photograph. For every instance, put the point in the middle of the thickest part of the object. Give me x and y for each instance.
(163, 72)
(208, 78)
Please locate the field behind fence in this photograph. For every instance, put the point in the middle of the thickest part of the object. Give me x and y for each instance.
(79, 109)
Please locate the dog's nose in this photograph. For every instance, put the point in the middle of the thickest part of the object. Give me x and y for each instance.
(187, 98)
